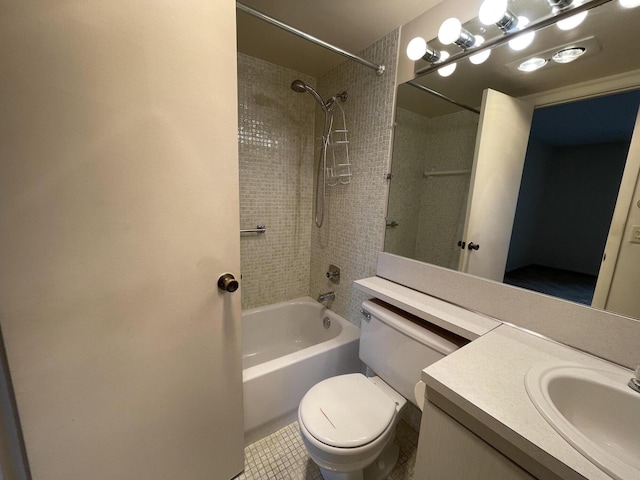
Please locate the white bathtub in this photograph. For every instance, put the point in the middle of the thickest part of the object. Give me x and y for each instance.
(287, 350)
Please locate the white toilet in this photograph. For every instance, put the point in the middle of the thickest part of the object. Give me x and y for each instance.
(348, 422)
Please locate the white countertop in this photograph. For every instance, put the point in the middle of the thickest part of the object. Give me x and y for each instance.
(463, 322)
(485, 379)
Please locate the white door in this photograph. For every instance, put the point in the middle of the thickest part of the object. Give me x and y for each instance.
(501, 146)
(118, 212)
(618, 280)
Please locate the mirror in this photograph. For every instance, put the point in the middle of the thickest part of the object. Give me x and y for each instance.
(431, 168)
(435, 140)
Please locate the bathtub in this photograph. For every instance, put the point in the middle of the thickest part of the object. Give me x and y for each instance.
(286, 351)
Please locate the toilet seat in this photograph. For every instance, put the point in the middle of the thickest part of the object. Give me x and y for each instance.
(347, 411)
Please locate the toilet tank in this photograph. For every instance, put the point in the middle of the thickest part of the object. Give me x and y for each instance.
(397, 346)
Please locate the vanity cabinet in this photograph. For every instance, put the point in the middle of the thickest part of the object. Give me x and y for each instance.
(448, 450)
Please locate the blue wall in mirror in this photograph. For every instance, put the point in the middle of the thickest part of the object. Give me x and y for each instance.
(573, 168)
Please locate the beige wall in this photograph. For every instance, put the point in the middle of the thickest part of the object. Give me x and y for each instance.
(118, 185)
(623, 293)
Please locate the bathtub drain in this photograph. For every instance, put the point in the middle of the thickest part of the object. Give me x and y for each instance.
(326, 322)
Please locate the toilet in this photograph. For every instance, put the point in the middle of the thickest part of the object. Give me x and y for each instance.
(348, 422)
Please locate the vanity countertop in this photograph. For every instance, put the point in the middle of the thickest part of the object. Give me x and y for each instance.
(482, 386)
(463, 322)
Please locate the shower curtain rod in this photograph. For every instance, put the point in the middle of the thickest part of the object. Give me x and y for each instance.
(442, 97)
(288, 28)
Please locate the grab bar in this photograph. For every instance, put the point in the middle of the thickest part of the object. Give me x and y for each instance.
(258, 229)
(442, 173)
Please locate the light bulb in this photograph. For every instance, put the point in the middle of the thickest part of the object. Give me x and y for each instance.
(629, 3)
(481, 57)
(568, 54)
(492, 11)
(572, 22)
(449, 69)
(522, 41)
(450, 31)
(416, 48)
(532, 64)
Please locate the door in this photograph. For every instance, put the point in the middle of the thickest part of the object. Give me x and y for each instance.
(616, 288)
(501, 146)
(118, 213)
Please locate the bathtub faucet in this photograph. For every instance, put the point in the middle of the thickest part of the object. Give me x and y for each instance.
(324, 297)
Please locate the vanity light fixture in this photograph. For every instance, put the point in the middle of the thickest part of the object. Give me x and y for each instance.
(496, 12)
(451, 31)
(558, 5)
(574, 20)
(629, 3)
(481, 57)
(449, 69)
(520, 42)
(418, 49)
(568, 55)
(532, 64)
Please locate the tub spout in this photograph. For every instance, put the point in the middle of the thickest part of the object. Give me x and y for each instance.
(325, 297)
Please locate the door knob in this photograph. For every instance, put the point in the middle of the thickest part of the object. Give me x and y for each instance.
(473, 246)
(228, 283)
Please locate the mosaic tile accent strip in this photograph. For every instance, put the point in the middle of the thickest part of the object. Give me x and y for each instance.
(275, 146)
(282, 456)
(353, 232)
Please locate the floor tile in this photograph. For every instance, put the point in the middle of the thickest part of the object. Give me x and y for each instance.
(282, 456)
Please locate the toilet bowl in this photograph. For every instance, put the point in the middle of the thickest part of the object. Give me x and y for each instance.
(348, 422)
(348, 426)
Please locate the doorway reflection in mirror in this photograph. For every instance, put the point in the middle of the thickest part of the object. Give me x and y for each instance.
(572, 174)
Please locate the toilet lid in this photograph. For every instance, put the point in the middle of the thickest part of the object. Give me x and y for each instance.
(346, 411)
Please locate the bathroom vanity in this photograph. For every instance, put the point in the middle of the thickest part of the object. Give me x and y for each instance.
(482, 386)
(480, 421)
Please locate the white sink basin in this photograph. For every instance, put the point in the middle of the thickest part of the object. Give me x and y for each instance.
(594, 410)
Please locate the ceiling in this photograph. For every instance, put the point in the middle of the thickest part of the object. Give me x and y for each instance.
(351, 25)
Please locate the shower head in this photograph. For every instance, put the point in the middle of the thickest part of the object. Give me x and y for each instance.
(301, 87)
(298, 86)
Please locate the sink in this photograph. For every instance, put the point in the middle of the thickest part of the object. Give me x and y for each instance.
(594, 410)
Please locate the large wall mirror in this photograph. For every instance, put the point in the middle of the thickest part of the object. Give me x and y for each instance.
(571, 180)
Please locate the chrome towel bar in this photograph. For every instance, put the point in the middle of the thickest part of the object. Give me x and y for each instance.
(258, 229)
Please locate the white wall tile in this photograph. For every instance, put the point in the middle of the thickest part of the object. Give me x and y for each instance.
(275, 142)
(353, 230)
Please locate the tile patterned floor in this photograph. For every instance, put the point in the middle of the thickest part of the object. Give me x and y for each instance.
(282, 456)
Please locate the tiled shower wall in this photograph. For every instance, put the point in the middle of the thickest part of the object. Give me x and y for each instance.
(430, 211)
(354, 225)
(275, 142)
(407, 184)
